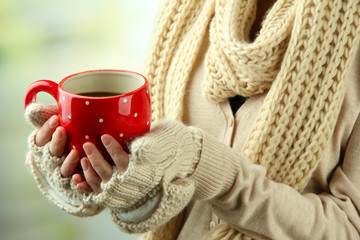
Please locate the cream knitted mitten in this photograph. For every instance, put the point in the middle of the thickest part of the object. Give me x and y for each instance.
(156, 185)
(37, 114)
(46, 170)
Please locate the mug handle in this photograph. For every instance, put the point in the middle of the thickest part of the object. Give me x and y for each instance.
(47, 86)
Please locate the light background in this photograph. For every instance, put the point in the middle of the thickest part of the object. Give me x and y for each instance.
(42, 39)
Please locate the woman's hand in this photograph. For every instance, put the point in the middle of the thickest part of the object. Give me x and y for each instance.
(52, 132)
(96, 168)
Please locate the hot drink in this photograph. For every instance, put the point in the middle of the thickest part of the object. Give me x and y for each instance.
(99, 94)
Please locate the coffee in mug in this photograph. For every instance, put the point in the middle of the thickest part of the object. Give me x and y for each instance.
(100, 94)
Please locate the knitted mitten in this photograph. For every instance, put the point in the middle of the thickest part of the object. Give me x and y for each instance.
(46, 170)
(156, 185)
(37, 114)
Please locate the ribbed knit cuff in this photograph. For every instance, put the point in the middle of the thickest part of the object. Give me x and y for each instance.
(131, 189)
(216, 170)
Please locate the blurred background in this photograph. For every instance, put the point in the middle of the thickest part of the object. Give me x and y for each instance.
(41, 39)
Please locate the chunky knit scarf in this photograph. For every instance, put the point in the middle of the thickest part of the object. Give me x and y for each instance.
(301, 58)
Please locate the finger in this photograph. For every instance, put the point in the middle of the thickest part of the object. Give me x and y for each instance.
(118, 155)
(84, 186)
(100, 165)
(44, 134)
(58, 142)
(78, 178)
(70, 163)
(91, 177)
(81, 183)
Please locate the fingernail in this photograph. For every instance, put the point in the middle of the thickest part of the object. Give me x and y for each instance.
(84, 164)
(105, 140)
(88, 148)
(53, 122)
(58, 133)
(75, 155)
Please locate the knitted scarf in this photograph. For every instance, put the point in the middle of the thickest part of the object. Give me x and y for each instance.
(301, 58)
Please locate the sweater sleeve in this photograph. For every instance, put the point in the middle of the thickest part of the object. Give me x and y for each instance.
(45, 168)
(243, 197)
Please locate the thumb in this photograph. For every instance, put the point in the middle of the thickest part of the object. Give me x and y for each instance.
(37, 114)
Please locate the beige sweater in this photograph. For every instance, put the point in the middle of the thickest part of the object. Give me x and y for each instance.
(295, 73)
(330, 205)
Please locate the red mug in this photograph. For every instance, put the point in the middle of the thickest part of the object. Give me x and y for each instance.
(97, 102)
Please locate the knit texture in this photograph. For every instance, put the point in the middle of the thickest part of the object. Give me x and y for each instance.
(161, 162)
(61, 191)
(301, 58)
(46, 169)
(37, 114)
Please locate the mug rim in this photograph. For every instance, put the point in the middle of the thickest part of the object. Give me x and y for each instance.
(104, 70)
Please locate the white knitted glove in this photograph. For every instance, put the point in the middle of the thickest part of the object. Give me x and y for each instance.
(37, 114)
(46, 170)
(156, 185)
